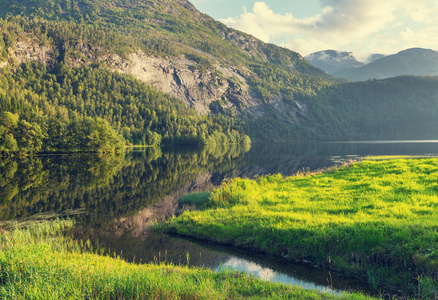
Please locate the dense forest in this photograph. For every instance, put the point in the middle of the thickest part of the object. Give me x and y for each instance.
(95, 110)
(397, 108)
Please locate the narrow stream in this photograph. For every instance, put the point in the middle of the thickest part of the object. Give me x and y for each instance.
(163, 248)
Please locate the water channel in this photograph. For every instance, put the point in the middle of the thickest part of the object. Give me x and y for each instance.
(115, 199)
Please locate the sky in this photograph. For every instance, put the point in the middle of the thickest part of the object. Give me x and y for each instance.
(363, 27)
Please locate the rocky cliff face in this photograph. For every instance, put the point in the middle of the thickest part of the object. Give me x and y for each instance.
(206, 90)
(183, 78)
(217, 89)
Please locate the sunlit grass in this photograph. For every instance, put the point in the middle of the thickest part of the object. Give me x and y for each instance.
(373, 219)
(387, 157)
(41, 263)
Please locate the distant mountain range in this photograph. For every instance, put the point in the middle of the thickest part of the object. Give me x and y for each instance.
(415, 61)
(374, 57)
(332, 61)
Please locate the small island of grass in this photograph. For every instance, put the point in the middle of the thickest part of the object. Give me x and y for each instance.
(375, 220)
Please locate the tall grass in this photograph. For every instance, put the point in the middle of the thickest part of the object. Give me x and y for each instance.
(41, 263)
(199, 199)
(374, 219)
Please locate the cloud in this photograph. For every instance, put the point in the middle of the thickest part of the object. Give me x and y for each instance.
(249, 267)
(423, 12)
(428, 36)
(342, 24)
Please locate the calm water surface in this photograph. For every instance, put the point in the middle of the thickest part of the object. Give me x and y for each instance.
(115, 199)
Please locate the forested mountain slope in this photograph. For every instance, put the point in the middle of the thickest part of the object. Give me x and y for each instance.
(168, 44)
(151, 72)
(395, 108)
(72, 109)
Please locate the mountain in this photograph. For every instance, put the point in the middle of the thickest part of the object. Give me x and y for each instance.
(332, 61)
(415, 61)
(374, 57)
(167, 44)
(85, 75)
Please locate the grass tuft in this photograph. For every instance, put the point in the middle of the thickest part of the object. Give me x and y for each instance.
(198, 199)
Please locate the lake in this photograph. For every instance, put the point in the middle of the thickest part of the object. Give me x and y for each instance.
(115, 199)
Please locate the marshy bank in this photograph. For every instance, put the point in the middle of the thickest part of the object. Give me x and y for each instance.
(135, 239)
(375, 220)
(41, 263)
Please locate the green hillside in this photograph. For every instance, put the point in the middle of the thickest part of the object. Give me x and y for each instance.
(68, 95)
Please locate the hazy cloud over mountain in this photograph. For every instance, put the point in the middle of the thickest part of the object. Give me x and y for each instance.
(362, 26)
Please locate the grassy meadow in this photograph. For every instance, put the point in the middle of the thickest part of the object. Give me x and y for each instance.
(377, 220)
(41, 262)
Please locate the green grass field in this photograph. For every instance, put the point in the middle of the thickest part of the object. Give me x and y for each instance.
(377, 220)
(42, 263)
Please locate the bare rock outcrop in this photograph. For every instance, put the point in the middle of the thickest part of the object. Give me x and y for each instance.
(198, 87)
(31, 51)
